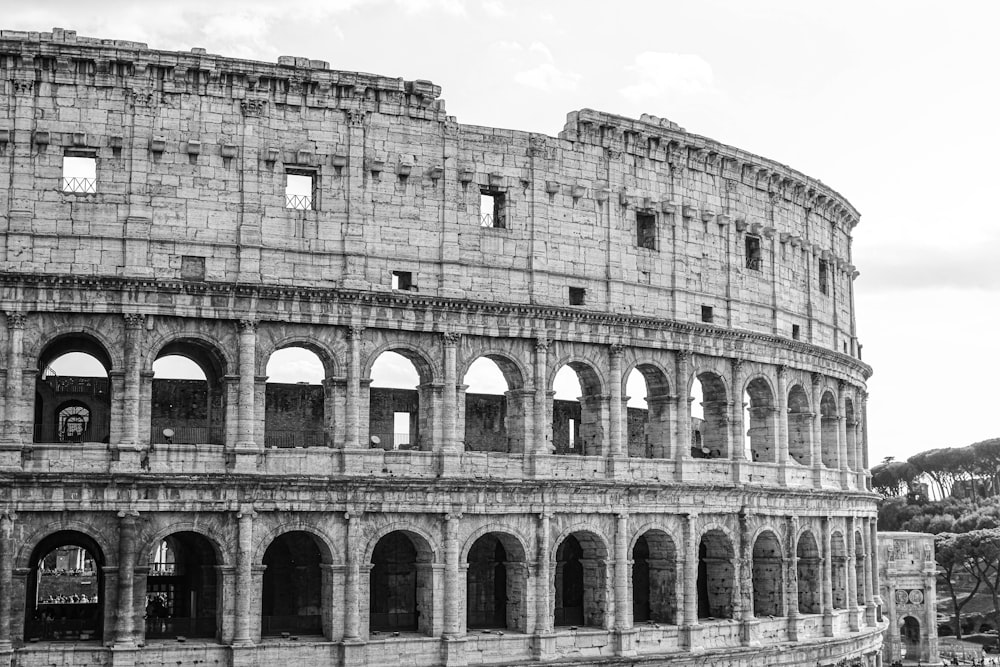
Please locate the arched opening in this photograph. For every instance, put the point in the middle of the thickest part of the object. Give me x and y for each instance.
(648, 411)
(761, 421)
(580, 581)
(768, 589)
(909, 633)
(654, 579)
(394, 416)
(401, 585)
(715, 576)
(579, 416)
(496, 584)
(800, 420)
(808, 574)
(852, 435)
(293, 586)
(711, 421)
(828, 435)
(65, 589)
(859, 567)
(488, 408)
(838, 553)
(294, 399)
(188, 395)
(182, 589)
(73, 392)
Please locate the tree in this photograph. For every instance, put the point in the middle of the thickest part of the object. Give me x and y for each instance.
(953, 553)
(890, 477)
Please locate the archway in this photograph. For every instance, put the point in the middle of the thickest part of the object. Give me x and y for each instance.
(395, 418)
(768, 587)
(294, 399)
(808, 571)
(293, 586)
(859, 567)
(73, 392)
(654, 579)
(496, 584)
(715, 576)
(852, 436)
(761, 425)
(800, 420)
(65, 589)
(909, 634)
(580, 580)
(838, 553)
(182, 589)
(401, 585)
(828, 433)
(579, 414)
(488, 408)
(648, 413)
(188, 394)
(711, 417)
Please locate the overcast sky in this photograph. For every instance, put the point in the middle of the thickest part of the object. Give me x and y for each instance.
(893, 104)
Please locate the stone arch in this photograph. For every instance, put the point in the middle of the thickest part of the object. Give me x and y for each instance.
(326, 544)
(222, 557)
(910, 631)
(768, 581)
(514, 541)
(315, 344)
(402, 417)
(297, 412)
(183, 589)
(425, 366)
(830, 451)
(714, 429)
(809, 573)
(512, 368)
(191, 411)
(401, 582)
(649, 431)
(581, 580)
(716, 574)
(763, 424)
(296, 590)
(426, 545)
(496, 582)
(838, 562)
(495, 422)
(65, 608)
(203, 349)
(580, 426)
(29, 544)
(859, 567)
(800, 426)
(654, 577)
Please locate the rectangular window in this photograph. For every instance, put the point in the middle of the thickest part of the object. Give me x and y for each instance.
(577, 296)
(706, 314)
(492, 208)
(79, 173)
(753, 252)
(824, 279)
(299, 190)
(400, 430)
(645, 229)
(402, 280)
(571, 435)
(795, 331)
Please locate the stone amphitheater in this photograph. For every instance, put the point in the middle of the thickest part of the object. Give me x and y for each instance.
(161, 205)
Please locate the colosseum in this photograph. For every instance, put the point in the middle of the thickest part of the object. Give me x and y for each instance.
(168, 208)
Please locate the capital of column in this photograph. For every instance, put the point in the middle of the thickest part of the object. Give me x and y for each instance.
(737, 365)
(782, 371)
(616, 349)
(451, 338)
(353, 515)
(452, 516)
(683, 356)
(355, 332)
(248, 326)
(542, 344)
(16, 320)
(817, 379)
(841, 385)
(130, 514)
(246, 514)
(134, 320)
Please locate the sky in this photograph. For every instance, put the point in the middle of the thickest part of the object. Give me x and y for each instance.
(893, 104)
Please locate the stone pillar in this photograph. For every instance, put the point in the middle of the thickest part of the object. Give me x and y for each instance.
(870, 618)
(930, 609)
(451, 455)
(6, 582)
(743, 611)
(873, 579)
(690, 573)
(862, 443)
(625, 645)
(542, 444)
(134, 326)
(452, 602)
(817, 430)
(543, 585)
(782, 402)
(353, 398)
(892, 631)
(827, 587)
(683, 360)
(352, 578)
(852, 576)
(247, 361)
(12, 426)
(616, 408)
(792, 577)
(845, 466)
(739, 431)
(125, 625)
(244, 577)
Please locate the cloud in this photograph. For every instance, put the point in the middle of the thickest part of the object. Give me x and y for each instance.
(453, 7)
(907, 268)
(494, 9)
(548, 77)
(657, 75)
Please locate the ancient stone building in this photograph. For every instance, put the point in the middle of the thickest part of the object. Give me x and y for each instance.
(161, 205)
(908, 578)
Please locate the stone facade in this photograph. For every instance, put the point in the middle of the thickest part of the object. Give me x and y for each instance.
(618, 245)
(908, 576)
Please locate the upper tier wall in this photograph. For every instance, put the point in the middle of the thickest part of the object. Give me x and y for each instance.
(192, 151)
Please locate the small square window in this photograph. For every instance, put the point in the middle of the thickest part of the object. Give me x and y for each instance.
(492, 208)
(753, 253)
(645, 229)
(402, 280)
(79, 173)
(706, 314)
(300, 189)
(192, 268)
(824, 277)
(795, 331)
(577, 296)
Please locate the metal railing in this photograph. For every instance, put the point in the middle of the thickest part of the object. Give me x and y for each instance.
(85, 627)
(49, 433)
(755, 263)
(188, 435)
(299, 202)
(80, 186)
(160, 628)
(486, 220)
(307, 624)
(286, 439)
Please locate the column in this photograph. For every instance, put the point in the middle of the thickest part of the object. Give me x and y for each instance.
(869, 550)
(12, 427)
(739, 428)
(6, 578)
(352, 419)
(690, 570)
(244, 577)
(743, 595)
(247, 362)
(930, 607)
(124, 627)
(623, 619)
(827, 587)
(683, 362)
(852, 576)
(616, 408)
(451, 455)
(782, 403)
(845, 467)
(134, 324)
(862, 443)
(817, 431)
(792, 574)
(452, 604)
(541, 444)
(543, 615)
(873, 579)
(352, 578)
